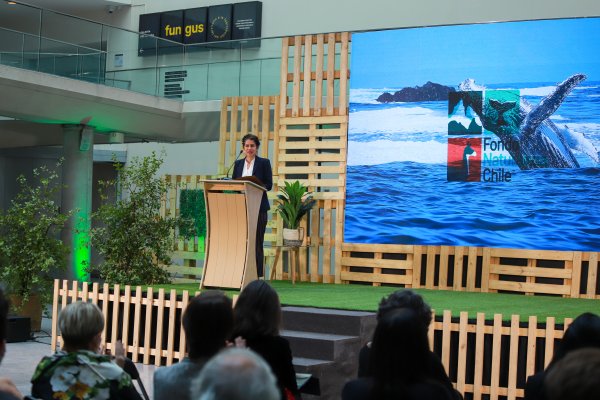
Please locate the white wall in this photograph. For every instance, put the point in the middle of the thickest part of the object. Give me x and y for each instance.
(180, 159)
(291, 17)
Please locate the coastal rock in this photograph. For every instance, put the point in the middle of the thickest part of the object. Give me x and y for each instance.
(428, 92)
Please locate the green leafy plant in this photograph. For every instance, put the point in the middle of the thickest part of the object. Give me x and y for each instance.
(131, 236)
(30, 245)
(293, 203)
(193, 209)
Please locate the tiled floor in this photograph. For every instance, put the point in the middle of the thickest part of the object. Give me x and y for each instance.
(22, 358)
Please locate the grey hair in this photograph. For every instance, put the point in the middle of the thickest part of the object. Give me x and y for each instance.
(79, 322)
(236, 374)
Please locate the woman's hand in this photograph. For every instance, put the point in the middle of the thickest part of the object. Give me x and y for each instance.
(119, 354)
(238, 342)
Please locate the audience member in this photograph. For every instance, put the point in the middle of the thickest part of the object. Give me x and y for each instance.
(79, 371)
(8, 390)
(257, 316)
(575, 377)
(584, 331)
(235, 374)
(207, 323)
(399, 363)
(407, 299)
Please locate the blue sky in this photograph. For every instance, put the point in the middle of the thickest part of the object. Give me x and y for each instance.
(534, 51)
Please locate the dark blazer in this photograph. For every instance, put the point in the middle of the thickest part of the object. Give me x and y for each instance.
(262, 170)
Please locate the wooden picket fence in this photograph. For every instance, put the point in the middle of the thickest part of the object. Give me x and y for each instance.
(483, 357)
(489, 359)
(564, 273)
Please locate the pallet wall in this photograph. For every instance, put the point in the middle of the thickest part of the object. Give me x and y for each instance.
(312, 142)
(458, 268)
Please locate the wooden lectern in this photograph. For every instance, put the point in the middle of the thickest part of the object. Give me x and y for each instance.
(232, 208)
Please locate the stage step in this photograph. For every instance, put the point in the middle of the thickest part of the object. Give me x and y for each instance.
(326, 343)
(325, 346)
(341, 322)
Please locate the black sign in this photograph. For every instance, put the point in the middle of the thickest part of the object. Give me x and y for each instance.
(194, 21)
(247, 20)
(149, 31)
(219, 23)
(171, 27)
(199, 25)
(172, 88)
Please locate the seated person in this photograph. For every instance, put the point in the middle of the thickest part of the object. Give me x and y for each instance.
(8, 390)
(79, 371)
(407, 299)
(236, 374)
(207, 323)
(399, 363)
(257, 317)
(584, 331)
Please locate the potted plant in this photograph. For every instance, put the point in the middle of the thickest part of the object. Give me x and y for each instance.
(133, 240)
(293, 203)
(30, 245)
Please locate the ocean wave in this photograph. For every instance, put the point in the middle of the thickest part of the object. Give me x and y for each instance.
(368, 96)
(587, 128)
(387, 151)
(541, 91)
(401, 119)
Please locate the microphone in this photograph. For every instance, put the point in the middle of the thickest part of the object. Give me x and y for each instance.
(232, 164)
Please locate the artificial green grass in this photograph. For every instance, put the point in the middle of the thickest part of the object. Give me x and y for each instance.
(366, 298)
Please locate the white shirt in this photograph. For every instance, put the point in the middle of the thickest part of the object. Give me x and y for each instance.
(248, 168)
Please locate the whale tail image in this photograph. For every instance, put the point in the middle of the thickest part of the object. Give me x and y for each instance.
(531, 138)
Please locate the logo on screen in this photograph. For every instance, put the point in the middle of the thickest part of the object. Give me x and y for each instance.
(464, 159)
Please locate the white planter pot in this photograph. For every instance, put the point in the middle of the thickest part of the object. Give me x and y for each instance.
(293, 237)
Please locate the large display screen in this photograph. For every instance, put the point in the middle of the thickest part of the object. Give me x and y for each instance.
(476, 135)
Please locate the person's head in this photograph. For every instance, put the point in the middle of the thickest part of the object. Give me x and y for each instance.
(400, 348)
(575, 377)
(81, 325)
(208, 323)
(584, 331)
(236, 374)
(250, 145)
(406, 298)
(3, 321)
(257, 311)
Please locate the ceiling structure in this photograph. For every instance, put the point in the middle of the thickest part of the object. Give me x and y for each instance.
(77, 7)
(41, 103)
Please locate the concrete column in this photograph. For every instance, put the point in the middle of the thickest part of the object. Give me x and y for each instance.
(78, 151)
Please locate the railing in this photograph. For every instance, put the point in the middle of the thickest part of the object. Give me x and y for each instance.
(47, 41)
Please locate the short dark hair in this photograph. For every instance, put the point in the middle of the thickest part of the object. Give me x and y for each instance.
(252, 137)
(207, 322)
(575, 377)
(3, 315)
(584, 331)
(257, 311)
(399, 351)
(406, 298)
